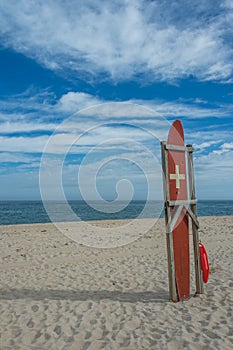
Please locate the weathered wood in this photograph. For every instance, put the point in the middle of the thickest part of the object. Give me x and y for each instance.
(172, 211)
(192, 216)
(179, 148)
(181, 202)
(198, 275)
(167, 213)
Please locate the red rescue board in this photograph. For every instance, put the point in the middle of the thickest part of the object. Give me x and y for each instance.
(178, 191)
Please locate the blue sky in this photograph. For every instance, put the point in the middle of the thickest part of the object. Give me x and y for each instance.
(91, 87)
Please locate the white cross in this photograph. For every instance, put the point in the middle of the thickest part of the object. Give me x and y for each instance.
(177, 176)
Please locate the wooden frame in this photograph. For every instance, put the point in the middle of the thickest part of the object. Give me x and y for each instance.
(171, 218)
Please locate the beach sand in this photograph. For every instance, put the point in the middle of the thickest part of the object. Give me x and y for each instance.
(57, 294)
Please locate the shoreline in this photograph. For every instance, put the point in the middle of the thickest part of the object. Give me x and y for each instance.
(105, 221)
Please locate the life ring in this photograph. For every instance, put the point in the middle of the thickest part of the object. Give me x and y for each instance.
(204, 263)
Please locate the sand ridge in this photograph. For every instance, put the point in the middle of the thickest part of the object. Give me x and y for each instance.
(57, 294)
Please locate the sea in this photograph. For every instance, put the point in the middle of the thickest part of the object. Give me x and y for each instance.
(29, 212)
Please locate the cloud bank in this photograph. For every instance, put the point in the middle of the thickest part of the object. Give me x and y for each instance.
(24, 134)
(122, 40)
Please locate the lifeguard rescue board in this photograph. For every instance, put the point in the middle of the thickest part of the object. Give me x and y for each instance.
(178, 191)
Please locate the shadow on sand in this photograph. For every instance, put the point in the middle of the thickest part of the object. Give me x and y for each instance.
(83, 295)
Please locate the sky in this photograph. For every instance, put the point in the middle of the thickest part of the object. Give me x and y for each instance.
(89, 88)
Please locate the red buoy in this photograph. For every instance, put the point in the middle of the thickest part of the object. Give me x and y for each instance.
(204, 263)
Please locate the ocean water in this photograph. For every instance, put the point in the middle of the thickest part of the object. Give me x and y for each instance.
(27, 212)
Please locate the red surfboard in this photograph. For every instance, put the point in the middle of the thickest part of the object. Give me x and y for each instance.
(178, 191)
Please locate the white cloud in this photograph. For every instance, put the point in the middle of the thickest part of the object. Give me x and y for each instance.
(23, 144)
(91, 106)
(209, 137)
(227, 145)
(76, 101)
(205, 145)
(189, 109)
(215, 167)
(225, 148)
(123, 39)
(220, 151)
(10, 157)
(17, 127)
(228, 4)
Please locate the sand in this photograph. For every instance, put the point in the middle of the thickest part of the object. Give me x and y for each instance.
(57, 294)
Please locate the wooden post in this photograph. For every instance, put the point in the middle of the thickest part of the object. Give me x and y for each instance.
(168, 219)
(198, 275)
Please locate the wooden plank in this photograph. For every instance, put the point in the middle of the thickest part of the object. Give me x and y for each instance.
(179, 148)
(193, 217)
(169, 241)
(198, 276)
(181, 202)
